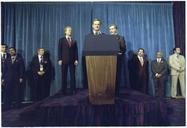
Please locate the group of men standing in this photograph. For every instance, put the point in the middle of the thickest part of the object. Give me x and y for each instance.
(13, 68)
(13, 76)
(160, 68)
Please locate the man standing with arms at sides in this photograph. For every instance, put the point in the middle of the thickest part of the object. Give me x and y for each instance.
(177, 67)
(41, 66)
(4, 56)
(140, 70)
(120, 57)
(159, 74)
(13, 78)
(68, 59)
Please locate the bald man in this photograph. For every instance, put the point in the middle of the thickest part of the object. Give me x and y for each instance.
(159, 74)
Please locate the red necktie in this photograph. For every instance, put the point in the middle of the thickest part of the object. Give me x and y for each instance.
(69, 41)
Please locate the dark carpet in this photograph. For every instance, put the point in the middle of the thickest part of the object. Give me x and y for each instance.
(131, 108)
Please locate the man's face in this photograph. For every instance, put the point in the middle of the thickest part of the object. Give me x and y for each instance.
(178, 50)
(141, 53)
(158, 55)
(96, 25)
(68, 31)
(12, 51)
(3, 48)
(112, 30)
(41, 52)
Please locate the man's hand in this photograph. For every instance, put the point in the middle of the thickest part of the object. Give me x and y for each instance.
(20, 80)
(41, 73)
(119, 53)
(157, 75)
(76, 63)
(2, 82)
(60, 62)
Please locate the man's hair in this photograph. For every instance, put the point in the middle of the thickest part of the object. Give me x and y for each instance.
(96, 19)
(174, 49)
(4, 45)
(12, 48)
(141, 49)
(66, 28)
(113, 25)
(41, 48)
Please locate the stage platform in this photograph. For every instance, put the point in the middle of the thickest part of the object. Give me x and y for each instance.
(131, 108)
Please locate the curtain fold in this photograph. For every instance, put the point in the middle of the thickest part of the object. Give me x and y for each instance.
(29, 26)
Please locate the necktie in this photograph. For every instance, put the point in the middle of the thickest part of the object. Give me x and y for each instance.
(41, 63)
(69, 41)
(41, 59)
(3, 56)
(177, 56)
(12, 59)
(141, 60)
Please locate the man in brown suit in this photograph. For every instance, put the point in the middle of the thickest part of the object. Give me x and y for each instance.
(140, 71)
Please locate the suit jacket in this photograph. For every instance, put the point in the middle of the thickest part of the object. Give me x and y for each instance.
(138, 69)
(122, 43)
(177, 65)
(3, 63)
(67, 54)
(160, 68)
(35, 66)
(14, 71)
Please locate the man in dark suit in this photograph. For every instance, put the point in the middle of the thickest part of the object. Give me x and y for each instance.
(40, 70)
(68, 59)
(13, 78)
(140, 70)
(159, 74)
(4, 56)
(96, 25)
(120, 57)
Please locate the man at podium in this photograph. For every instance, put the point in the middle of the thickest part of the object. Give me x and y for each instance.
(96, 25)
(100, 65)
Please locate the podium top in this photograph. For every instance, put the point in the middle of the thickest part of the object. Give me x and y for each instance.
(100, 45)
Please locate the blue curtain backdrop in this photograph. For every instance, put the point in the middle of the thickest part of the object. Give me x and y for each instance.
(28, 26)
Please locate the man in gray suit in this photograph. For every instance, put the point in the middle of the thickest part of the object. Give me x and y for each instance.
(177, 67)
(159, 74)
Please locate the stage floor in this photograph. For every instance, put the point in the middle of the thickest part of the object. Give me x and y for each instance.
(131, 108)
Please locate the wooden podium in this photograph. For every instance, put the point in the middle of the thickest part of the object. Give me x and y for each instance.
(101, 61)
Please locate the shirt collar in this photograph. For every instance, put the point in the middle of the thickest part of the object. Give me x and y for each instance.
(94, 32)
(39, 56)
(115, 34)
(3, 53)
(139, 56)
(176, 54)
(68, 37)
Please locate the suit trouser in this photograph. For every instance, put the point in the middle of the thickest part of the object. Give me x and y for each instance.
(40, 88)
(159, 86)
(65, 68)
(12, 92)
(120, 62)
(174, 81)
